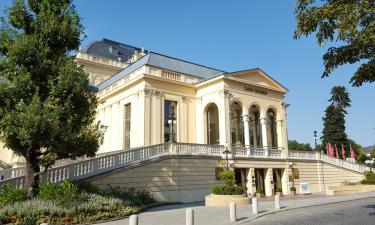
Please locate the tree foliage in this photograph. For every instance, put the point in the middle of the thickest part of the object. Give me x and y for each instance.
(295, 145)
(351, 24)
(334, 119)
(47, 107)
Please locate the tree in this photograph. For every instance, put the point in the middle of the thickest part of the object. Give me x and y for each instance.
(361, 155)
(349, 23)
(295, 145)
(47, 107)
(334, 119)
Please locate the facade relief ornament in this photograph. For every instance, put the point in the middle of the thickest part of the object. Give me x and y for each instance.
(224, 93)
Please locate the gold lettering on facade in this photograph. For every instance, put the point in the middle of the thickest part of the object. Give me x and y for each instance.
(254, 90)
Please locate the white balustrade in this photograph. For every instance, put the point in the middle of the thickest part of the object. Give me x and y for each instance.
(86, 167)
(308, 155)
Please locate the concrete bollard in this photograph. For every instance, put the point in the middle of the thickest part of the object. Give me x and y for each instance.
(254, 203)
(189, 216)
(133, 220)
(232, 212)
(277, 202)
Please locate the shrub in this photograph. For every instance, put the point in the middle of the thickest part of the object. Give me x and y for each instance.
(227, 177)
(369, 178)
(349, 183)
(9, 195)
(279, 189)
(89, 208)
(293, 189)
(259, 190)
(130, 195)
(227, 190)
(65, 192)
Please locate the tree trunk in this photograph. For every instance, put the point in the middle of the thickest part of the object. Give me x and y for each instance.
(32, 179)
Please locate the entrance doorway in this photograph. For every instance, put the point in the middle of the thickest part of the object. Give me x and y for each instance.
(259, 180)
(240, 175)
(277, 178)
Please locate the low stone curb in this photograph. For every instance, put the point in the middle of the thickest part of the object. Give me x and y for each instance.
(300, 207)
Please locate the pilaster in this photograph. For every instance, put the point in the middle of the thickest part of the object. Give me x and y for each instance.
(224, 117)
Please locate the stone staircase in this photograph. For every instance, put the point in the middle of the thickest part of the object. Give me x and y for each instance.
(89, 167)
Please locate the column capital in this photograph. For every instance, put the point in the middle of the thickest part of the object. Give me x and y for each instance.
(263, 120)
(224, 93)
(245, 118)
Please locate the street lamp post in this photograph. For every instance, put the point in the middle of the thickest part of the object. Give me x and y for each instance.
(315, 137)
(171, 122)
(226, 154)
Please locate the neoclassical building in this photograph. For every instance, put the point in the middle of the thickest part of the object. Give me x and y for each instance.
(241, 108)
(180, 115)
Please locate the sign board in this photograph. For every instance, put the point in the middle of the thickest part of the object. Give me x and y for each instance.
(304, 188)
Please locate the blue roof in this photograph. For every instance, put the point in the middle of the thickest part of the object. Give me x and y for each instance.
(164, 62)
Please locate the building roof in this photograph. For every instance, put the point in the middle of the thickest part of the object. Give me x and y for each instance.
(164, 62)
(112, 50)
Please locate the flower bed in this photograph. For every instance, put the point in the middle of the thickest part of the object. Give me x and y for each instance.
(68, 203)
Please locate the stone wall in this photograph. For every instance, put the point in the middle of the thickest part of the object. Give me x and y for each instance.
(190, 179)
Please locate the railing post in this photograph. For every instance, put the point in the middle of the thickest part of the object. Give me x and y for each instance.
(172, 148)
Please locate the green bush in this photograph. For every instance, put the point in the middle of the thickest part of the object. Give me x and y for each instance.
(227, 177)
(293, 189)
(10, 195)
(279, 189)
(229, 187)
(63, 193)
(369, 178)
(227, 190)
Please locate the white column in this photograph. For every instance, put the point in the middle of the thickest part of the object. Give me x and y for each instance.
(285, 181)
(268, 182)
(263, 124)
(250, 184)
(246, 125)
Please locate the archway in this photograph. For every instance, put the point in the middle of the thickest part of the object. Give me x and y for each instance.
(212, 124)
(236, 125)
(271, 129)
(255, 128)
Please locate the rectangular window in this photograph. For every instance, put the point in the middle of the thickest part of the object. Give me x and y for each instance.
(170, 118)
(127, 125)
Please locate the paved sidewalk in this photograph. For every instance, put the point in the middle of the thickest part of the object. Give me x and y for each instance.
(175, 214)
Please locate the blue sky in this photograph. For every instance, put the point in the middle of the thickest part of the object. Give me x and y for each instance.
(236, 35)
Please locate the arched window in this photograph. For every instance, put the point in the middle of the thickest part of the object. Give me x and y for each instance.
(212, 125)
(271, 129)
(236, 125)
(255, 128)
